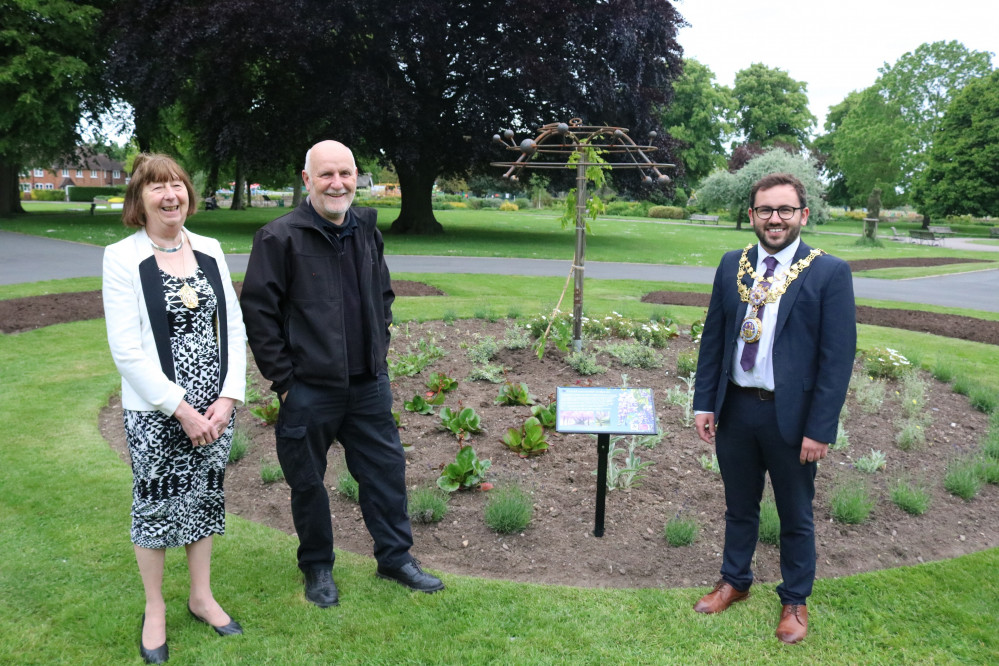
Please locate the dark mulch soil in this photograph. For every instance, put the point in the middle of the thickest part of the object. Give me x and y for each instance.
(558, 546)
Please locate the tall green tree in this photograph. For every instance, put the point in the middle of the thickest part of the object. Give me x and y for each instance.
(838, 193)
(702, 118)
(962, 172)
(49, 78)
(772, 106)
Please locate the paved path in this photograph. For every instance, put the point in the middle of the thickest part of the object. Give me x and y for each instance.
(26, 258)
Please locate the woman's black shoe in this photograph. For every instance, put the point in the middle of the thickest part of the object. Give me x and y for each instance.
(158, 656)
(231, 629)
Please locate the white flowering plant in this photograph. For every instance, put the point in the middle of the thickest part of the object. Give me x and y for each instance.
(886, 363)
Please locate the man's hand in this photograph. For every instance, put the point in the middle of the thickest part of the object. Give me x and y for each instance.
(705, 424)
(812, 451)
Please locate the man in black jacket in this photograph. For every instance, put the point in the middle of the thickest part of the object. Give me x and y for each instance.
(317, 305)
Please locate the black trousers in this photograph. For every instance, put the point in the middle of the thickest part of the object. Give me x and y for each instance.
(360, 418)
(749, 446)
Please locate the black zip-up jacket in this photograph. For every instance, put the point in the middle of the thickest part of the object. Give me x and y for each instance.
(292, 300)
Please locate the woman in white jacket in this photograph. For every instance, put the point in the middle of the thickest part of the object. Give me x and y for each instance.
(176, 335)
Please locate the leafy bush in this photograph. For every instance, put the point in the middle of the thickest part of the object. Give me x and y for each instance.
(428, 505)
(48, 195)
(414, 361)
(851, 503)
(347, 486)
(515, 338)
(271, 473)
(81, 193)
(962, 478)
(988, 470)
(267, 413)
(467, 471)
(508, 510)
(681, 531)
(420, 405)
(440, 383)
(769, 522)
(509, 206)
(461, 423)
(514, 394)
(984, 399)
(667, 212)
(488, 372)
(545, 414)
(686, 364)
(528, 440)
(911, 435)
(870, 394)
(710, 464)
(635, 355)
(913, 498)
(585, 363)
(842, 437)
(872, 462)
(483, 351)
(913, 394)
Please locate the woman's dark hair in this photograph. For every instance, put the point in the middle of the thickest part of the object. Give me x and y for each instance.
(153, 168)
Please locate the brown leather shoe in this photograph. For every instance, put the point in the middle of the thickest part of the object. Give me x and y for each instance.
(720, 598)
(793, 623)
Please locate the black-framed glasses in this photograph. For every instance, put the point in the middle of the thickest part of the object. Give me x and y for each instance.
(784, 212)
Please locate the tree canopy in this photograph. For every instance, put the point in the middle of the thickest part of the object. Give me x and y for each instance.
(48, 80)
(772, 106)
(701, 117)
(962, 171)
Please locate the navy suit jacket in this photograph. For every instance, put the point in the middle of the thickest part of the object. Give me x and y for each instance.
(814, 345)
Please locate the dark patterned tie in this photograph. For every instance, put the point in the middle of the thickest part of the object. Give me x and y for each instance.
(748, 359)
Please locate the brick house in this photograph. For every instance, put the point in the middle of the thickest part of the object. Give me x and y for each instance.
(84, 170)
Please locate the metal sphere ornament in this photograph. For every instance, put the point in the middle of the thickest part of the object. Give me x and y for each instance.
(508, 134)
(562, 129)
(527, 146)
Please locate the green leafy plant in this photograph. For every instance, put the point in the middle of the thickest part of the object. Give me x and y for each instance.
(515, 338)
(467, 471)
(984, 399)
(462, 422)
(910, 435)
(267, 413)
(545, 414)
(710, 464)
(449, 317)
(585, 363)
(346, 485)
(428, 505)
(686, 364)
(271, 473)
(514, 394)
(494, 374)
(769, 522)
(414, 361)
(483, 351)
(988, 470)
(508, 510)
(869, 393)
(842, 438)
(419, 405)
(253, 394)
(913, 395)
(240, 445)
(872, 462)
(681, 531)
(851, 503)
(886, 363)
(635, 355)
(913, 498)
(528, 440)
(397, 417)
(683, 397)
(440, 383)
(629, 473)
(962, 478)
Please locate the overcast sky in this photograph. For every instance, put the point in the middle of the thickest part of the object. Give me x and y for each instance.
(834, 47)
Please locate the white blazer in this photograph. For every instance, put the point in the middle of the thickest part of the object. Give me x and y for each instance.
(145, 386)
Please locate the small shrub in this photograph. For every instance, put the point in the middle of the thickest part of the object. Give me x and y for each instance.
(667, 212)
(419, 405)
(267, 413)
(913, 395)
(440, 383)
(514, 394)
(842, 439)
(710, 464)
(529, 440)
(886, 363)
(271, 473)
(515, 338)
(585, 363)
(962, 385)
(545, 414)
(346, 485)
(635, 355)
(509, 206)
(488, 373)
(240, 445)
(467, 471)
(962, 478)
(656, 333)
(681, 531)
(483, 351)
(872, 462)
(984, 399)
(944, 372)
(911, 435)
(869, 393)
(990, 444)
(988, 470)
(851, 503)
(508, 510)
(414, 361)
(428, 505)
(769, 522)
(462, 422)
(913, 498)
(449, 317)
(253, 394)
(686, 363)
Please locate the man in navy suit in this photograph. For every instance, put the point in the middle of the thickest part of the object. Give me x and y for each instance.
(775, 361)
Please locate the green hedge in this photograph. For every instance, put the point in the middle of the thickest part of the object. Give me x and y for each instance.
(48, 195)
(668, 212)
(88, 193)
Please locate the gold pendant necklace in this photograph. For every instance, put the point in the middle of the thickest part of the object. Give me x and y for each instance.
(188, 296)
(764, 291)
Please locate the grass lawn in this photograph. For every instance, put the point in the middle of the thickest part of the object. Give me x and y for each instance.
(71, 592)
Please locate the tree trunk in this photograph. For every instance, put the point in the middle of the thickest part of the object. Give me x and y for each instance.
(926, 221)
(296, 193)
(417, 214)
(249, 196)
(10, 190)
(237, 188)
(212, 180)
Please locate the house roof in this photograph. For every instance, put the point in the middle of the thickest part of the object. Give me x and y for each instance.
(87, 159)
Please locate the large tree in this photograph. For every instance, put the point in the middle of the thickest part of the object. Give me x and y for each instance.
(773, 107)
(702, 118)
(48, 80)
(962, 173)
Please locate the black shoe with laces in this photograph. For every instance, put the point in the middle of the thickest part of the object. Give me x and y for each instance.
(412, 576)
(320, 588)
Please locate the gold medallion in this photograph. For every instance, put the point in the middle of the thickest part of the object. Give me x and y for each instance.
(188, 296)
(752, 327)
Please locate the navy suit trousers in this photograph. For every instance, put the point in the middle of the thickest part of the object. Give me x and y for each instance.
(360, 418)
(749, 445)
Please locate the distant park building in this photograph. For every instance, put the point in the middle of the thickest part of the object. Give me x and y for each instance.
(81, 170)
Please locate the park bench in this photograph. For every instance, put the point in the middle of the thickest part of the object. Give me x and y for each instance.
(941, 231)
(703, 219)
(994, 232)
(925, 236)
(98, 201)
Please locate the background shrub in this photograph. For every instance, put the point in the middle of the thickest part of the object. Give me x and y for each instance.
(667, 212)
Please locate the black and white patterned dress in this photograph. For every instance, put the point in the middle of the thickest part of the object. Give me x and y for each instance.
(177, 494)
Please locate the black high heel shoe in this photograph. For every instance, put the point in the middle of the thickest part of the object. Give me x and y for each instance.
(231, 629)
(159, 655)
